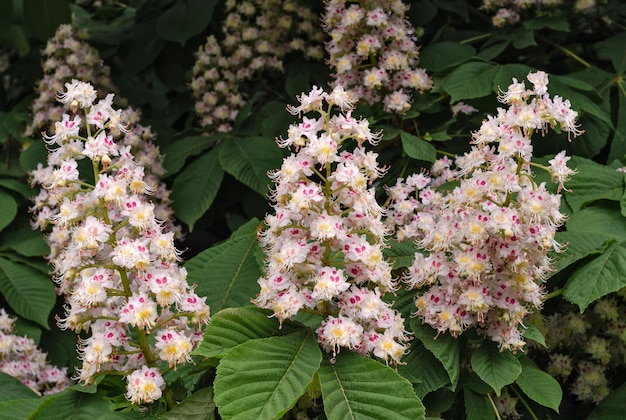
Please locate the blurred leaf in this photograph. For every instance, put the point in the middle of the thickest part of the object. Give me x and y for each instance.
(227, 273)
(477, 406)
(470, 80)
(264, 378)
(497, 368)
(44, 16)
(618, 143)
(179, 150)
(539, 385)
(417, 148)
(441, 55)
(195, 188)
(550, 22)
(443, 346)
(33, 154)
(355, 387)
(18, 186)
(8, 209)
(612, 407)
(298, 78)
(144, 47)
(249, 159)
(614, 49)
(603, 275)
(185, 19)
(198, 406)
(29, 292)
(233, 326)
(12, 389)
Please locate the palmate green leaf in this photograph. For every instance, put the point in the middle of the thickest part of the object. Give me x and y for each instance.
(233, 326)
(249, 159)
(603, 275)
(29, 292)
(12, 389)
(477, 406)
(613, 49)
(593, 182)
(581, 95)
(195, 188)
(441, 55)
(184, 19)
(531, 332)
(538, 385)
(604, 218)
(506, 73)
(264, 378)
(497, 368)
(579, 245)
(612, 407)
(178, 151)
(21, 238)
(355, 387)
(443, 346)
(417, 148)
(72, 404)
(423, 369)
(470, 80)
(8, 209)
(618, 143)
(198, 406)
(227, 273)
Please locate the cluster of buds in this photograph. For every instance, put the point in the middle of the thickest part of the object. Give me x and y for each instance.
(373, 52)
(483, 245)
(258, 34)
(21, 358)
(585, 349)
(66, 56)
(508, 12)
(110, 255)
(324, 243)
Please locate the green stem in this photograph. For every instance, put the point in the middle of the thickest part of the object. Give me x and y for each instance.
(524, 403)
(493, 405)
(554, 294)
(475, 38)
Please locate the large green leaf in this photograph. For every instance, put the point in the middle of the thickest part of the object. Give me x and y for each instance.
(477, 406)
(264, 378)
(8, 209)
(423, 369)
(593, 182)
(354, 387)
(612, 407)
(443, 346)
(470, 80)
(195, 188)
(249, 159)
(198, 406)
(71, 404)
(178, 151)
(44, 16)
(602, 275)
(497, 368)
(12, 389)
(184, 19)
(441, 55)
(538, 385)
(579, 245)
(233, 326)
(24, 240)
(618, 143)
(417, 148)
(604, 218)
(29, 292)
(228, 273)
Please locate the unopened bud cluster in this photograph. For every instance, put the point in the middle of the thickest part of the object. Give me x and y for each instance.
(257, 35)
(324, 242)
(484, 244)
(373, 52)
(110, 256)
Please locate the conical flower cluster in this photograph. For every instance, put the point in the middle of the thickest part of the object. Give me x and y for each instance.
(483, 245)
(324, 242)
(110, 256)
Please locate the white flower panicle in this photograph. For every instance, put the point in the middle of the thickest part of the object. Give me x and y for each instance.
(324, 242)
(483, 245)
(373, 52)
(258, 34)
(21, 358)
(110, 255)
